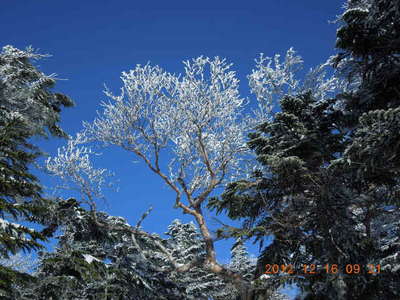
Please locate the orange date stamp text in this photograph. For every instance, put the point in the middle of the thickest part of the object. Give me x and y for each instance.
(311, 269)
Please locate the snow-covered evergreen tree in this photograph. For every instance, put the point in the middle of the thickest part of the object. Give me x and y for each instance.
(369, 56)
(241, 262)
(328, 188)
(26, 92)
(28, 108)
(100, 257)
(187, 245)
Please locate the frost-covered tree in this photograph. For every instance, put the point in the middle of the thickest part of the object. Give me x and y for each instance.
(240, 260)
(187, 245)
(274, 78)
(110, 258)
(28, 108)
(73, 166)
(198, 118)
(240, 263)
(245, 265)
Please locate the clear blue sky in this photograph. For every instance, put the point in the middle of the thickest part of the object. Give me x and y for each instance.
(92, 42)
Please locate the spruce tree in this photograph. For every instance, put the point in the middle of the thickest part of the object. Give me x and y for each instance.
(100, 257)
(240, 261)
(28, 108)
(328, 187)
(199, 283)
(187, 245)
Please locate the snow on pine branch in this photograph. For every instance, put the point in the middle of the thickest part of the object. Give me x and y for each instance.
(26, 92)
(89, 258)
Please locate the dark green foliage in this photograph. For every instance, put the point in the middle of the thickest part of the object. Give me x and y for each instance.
(100, 257)
(297, 199)
(378, 130)
(313, 204)
(369, 40)
(10, 279)
(17, 183)
(329, 189)
(27, 108)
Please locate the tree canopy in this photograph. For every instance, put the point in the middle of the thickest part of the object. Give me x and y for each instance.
(327, 190)
(313, 169)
